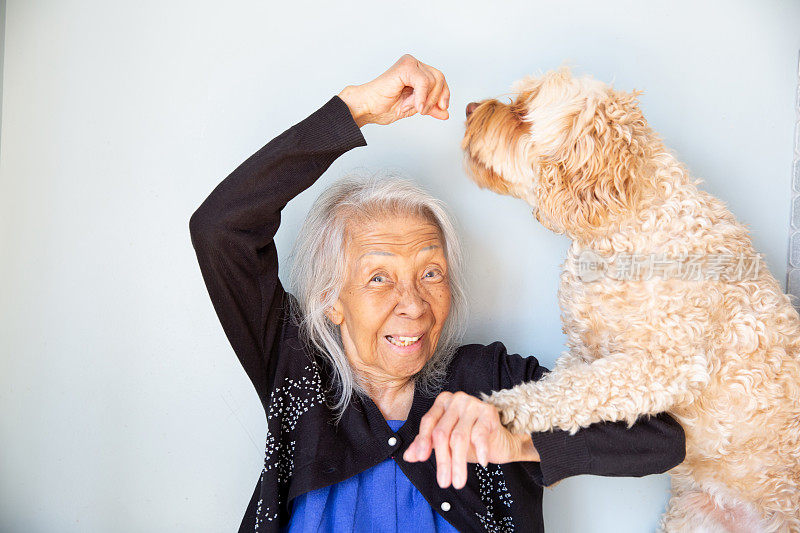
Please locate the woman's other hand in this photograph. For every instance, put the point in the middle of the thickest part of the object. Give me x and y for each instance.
(461, 428)
(408, 87)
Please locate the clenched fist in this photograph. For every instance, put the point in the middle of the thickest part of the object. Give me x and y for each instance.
(408, 87)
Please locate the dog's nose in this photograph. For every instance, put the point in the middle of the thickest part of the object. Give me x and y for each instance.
(471, 107)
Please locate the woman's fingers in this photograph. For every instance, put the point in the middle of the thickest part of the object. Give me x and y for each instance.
(432, 98)
(435, 104)
(420, 447)
(481, 433)
(428, 84)
(460, 441)
(407, 88)
(460, 429)
(440, 110)
(447, 429)
(420, 82)
(442, 442)
(444, 101)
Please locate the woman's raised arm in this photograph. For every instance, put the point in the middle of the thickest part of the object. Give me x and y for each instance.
(233, 229)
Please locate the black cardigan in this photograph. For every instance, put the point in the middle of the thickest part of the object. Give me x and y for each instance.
(232, 234)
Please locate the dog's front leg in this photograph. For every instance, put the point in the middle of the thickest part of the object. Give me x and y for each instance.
(616, 387)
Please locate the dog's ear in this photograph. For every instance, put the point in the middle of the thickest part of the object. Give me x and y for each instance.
(599, 169)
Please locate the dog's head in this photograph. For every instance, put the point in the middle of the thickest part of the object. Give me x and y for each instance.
(572, 147)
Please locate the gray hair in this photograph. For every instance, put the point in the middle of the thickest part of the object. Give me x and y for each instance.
(319, 270)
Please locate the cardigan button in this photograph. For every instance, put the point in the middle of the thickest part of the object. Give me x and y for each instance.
(445, 506)
(392, 441)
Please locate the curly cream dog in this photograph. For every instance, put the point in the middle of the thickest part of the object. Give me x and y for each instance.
(665, 303)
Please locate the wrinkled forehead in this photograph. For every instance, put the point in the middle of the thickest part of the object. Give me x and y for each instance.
(391, 234)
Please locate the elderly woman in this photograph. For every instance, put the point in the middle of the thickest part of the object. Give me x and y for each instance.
(374, 420)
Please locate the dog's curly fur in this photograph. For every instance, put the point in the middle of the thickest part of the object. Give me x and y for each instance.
(720, 354)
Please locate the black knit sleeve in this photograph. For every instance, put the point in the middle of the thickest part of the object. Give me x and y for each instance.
(233, 229)
(651, 446)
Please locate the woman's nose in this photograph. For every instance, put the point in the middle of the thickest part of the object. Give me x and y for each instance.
(471, 107)
(411, 303)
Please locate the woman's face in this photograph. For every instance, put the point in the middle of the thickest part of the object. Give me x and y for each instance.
(395, 297)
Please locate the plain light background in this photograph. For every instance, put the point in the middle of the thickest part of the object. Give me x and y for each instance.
(122, 405)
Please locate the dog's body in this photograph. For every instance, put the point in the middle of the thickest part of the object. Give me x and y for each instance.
(684, 317)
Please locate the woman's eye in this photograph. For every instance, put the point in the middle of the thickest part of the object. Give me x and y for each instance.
(432, 273)
(378, 277)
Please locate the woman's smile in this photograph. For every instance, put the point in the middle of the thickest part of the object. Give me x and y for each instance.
(405, 344)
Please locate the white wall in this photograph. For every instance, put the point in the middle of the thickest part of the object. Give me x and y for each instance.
(122, 406)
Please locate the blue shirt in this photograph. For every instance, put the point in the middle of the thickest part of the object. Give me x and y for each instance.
(380, 499)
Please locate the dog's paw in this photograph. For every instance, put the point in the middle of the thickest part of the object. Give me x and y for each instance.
(516, 414)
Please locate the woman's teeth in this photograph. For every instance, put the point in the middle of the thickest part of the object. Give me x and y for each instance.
(402, 341)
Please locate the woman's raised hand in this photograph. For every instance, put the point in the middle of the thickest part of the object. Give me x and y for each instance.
(461, 428)
(408, 87)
